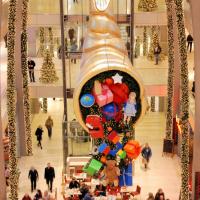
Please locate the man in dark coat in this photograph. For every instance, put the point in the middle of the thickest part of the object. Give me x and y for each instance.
(74, 184)
(49, 175)
(33, 175)
(31, 65)
(189, 41)
(146, 155)
(38, 134)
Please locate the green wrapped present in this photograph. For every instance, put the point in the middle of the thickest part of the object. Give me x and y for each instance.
(121, 154)
(92, 167)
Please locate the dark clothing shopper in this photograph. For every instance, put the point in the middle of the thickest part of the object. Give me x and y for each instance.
(33, 175)
(146, 155)
(189, 41)
(38, 134)
(49, 126)
(49, 175)
(31, 66)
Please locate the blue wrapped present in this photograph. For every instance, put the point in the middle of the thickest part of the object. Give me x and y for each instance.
(118, 146)
(126, 177)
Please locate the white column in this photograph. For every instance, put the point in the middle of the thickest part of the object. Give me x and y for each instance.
(32, 38)
(195, 7)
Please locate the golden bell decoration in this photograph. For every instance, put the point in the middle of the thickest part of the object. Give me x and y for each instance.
(104, 51)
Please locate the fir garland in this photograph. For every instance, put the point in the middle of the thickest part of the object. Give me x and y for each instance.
(184, 101)
(137, 47)
(11, 101)
(169, 120)
(51, 41)
(45, 105)
(145, 41)
(42, 40)
(153, 104)
(25, 78)
(147, 5)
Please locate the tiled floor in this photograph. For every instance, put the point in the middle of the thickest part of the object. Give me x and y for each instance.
(162, 173)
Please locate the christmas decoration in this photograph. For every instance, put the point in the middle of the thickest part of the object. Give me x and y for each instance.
(103, 72)
(110, 111)
(153, 104)
(48, 72)
(145, 41)
(25, 78)
(132, 149)
(93, 167)
(184, 107)
(126, 177)
(169, 118)
(137, 47)
(87, 100)
(51, 41)
(44, 105)
(42, 40)
(94, 124)
(147, 5)
(102, 94)
(11, 101)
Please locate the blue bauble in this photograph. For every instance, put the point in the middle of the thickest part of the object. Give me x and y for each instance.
(110, 111)
(87, 100)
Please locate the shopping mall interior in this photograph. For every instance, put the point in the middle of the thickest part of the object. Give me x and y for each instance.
(98, 98)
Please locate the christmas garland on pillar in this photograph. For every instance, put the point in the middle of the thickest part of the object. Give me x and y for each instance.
(45, 105)
(153, 104)
(11, 101)
(169, 120)
(25, 77)
(42, 40)
(184, 100)
(145, 41)
(147, 5)
(51, 41)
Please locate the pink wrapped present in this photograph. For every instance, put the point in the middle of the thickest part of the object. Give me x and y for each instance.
(105, 97)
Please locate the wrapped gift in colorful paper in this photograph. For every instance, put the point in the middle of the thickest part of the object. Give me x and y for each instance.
(113, 137)
(94, 124)
(102, 94)
(92, 167)
(126, 177)
(121, 154)
(103, 159)
(110, 111)
(104, 148)
(132, 149)
(118, 146)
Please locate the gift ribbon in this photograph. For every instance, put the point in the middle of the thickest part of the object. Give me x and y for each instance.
(105, 93)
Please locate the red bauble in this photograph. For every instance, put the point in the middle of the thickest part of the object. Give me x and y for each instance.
(109, 81)
(125, 88)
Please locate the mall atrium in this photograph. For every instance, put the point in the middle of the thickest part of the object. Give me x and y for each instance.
(98, 99)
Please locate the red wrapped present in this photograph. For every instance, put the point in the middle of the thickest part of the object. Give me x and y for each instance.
(113, 190)
(94, 124)
(113, 137)
(132, 149)
(102, 96)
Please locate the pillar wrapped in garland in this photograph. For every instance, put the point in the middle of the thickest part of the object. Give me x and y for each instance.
(170, 88)
(51, 43)
(45, 105)
(11, 101)
(153, 104)
(109, 96)
(184, 101)
(145, 41)
(147, 5)
(25, 77)
(42, 41)
(137, 47)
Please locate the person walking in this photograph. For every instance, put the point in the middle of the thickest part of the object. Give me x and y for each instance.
(38, 134)
(26, 197)
(38, 195)
(189, 41)
(33, 176)
(146, 155)
(49, 175)
(157, 52)
(160, 194)
(71, 34)
(49, 125)
(31, 65)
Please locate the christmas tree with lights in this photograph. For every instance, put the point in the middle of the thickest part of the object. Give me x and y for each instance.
(147, 5)
(48, 71)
